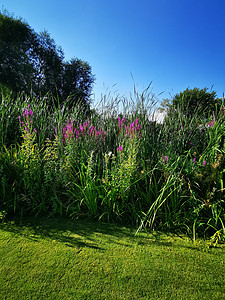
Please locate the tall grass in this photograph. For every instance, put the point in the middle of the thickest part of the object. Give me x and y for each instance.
(113, 163)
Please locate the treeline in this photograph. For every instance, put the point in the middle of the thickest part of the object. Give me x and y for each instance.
(32, 63)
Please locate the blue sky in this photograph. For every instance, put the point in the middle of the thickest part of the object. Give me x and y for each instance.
(176, 44)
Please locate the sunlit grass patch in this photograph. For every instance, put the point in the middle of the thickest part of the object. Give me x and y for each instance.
(61, 259)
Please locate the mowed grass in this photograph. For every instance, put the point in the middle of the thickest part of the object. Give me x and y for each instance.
(57, 258)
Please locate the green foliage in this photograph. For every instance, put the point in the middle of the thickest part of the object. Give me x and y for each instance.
(192, 102)
(33, 64)
(122, 168)
(85, 187)
(16, 67)
(119, 174)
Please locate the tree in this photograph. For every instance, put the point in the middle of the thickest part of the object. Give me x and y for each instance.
(191, 102)
(16, 69)
(77, 80)
(31, 62)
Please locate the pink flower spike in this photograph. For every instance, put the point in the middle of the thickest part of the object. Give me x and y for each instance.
(167, 158)
(120, 148)
(204, 162)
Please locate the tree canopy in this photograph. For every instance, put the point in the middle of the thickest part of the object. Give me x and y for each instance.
(191, 102)
(31, 62)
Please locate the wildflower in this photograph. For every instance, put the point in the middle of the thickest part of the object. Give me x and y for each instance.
(35, 130)
(120, 149)
(204, 162)
(194, 160)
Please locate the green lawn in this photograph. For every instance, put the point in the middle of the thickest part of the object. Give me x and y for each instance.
(63, 259)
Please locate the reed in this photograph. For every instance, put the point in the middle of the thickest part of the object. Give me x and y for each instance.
(113, 163)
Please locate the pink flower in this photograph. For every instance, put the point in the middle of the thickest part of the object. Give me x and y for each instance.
(204, 162)
(120, 149)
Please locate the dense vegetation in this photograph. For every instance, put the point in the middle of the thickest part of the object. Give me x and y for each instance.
(58, 157)
(114, 164)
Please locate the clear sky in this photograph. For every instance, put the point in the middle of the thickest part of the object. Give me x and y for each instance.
(176, 44)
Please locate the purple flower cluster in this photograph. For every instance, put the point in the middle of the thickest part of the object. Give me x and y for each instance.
(211, 124)
(120, 149)
(130, 130)
(121, 123)
(26, 125)
(194, 161)
(165, 159)
(79, 130)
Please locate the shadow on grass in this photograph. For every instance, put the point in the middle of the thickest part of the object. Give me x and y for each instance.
(88, 233)
(63, 230)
